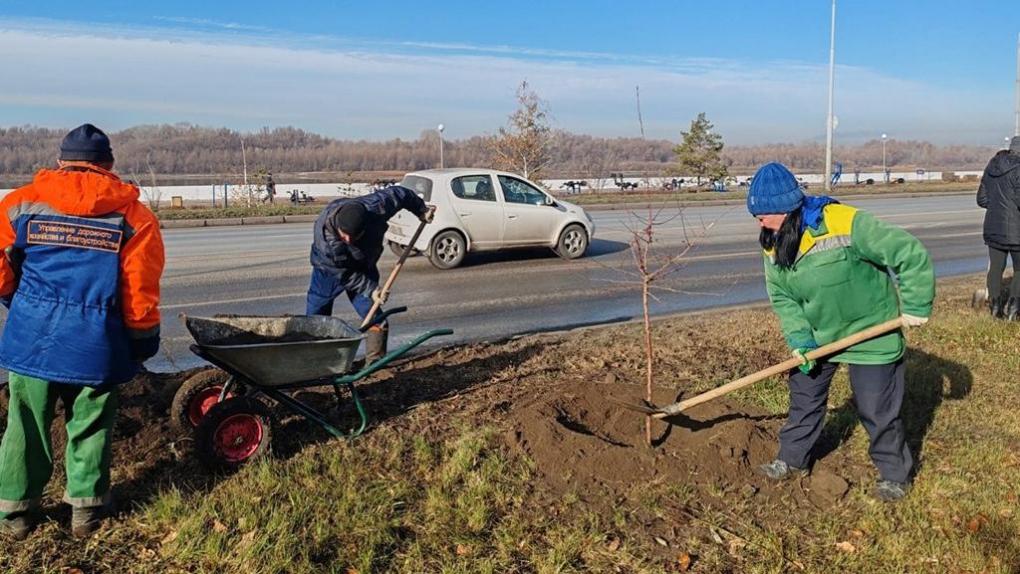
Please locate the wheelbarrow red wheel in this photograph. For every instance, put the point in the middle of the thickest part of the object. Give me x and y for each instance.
(233, 433)
(195, 397)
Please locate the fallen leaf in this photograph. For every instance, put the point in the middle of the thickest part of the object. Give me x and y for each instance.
(74, 571)
(735, 545)
(846, 547)
(715, 536)
(463, 550)
(661, 541)
(351, 570)
(683, 562)
(1006, 512)
(247, 539)
(169, 537)
(614, 544)
(975, 524)
(857, 533)
(219, 526)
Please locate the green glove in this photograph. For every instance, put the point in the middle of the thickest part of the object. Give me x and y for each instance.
(806, 365)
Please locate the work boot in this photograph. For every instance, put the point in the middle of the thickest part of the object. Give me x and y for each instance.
(86, 520)
(1011, 311)
(779, 470)
(375, 345)
(17, 525)
(995, 307)
(891, 491)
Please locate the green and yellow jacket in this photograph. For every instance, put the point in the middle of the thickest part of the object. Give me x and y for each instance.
(853, 272)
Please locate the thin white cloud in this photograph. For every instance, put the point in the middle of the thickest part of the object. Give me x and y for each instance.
(365, 89)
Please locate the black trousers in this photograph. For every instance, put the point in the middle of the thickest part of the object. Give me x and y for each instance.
(997, 264)
(877, 396)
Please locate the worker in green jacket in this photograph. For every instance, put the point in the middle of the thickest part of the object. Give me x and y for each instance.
(831, 271)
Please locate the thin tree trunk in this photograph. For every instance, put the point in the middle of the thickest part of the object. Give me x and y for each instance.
(648, 361)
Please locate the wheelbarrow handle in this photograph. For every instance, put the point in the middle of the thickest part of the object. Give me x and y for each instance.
(380, 317)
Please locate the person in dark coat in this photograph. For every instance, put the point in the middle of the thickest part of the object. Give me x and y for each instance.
(346, 248)
(999, 195)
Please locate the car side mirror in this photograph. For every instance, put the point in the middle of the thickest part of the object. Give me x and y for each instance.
(549, 201)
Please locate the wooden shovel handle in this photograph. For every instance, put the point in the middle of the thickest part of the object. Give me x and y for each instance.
(825, 350)
(393, 274)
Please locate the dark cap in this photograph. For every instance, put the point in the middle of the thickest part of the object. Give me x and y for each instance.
(86, 143)
(351, 218)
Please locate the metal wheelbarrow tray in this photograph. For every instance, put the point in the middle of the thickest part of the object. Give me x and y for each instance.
(277, 351)
(266, 356)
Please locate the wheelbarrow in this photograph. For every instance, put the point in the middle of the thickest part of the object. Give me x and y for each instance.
(262, 358)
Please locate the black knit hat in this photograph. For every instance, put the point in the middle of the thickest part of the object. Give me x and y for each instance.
(351, 218)
(86, 143)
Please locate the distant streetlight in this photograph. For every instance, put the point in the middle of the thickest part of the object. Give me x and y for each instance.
(440, 130)
(885, 171)
(832, 84)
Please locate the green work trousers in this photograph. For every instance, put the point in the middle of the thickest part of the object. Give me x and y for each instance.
(26, 452)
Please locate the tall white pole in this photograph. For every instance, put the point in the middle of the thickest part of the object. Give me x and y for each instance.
(832, 84)
(885, 170)
(440, 130)
(244, 162)
(1016, 129)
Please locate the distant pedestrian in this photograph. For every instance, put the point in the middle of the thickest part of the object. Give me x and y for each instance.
(827, 273)
(999, 195)
(346, 247)
(270, 187)
(81, 282)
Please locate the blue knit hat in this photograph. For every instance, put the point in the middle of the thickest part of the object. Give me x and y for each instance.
(774, 190)
(86, 143)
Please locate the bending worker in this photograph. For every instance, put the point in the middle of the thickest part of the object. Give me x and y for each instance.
(348, 242)
(80, 277)
(828, 275)
(999, 195)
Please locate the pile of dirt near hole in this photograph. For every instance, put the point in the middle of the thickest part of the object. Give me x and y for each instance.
(585, 444)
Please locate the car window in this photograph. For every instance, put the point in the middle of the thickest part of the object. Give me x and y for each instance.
(519, 191)
(418, 184)
(474, 187)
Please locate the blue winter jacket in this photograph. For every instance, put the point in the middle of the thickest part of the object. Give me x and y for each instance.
(355, 264)
(80, 270)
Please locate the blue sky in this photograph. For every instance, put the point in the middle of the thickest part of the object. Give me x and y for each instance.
(936, 70)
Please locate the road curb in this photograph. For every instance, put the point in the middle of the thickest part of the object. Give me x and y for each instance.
(308, 218)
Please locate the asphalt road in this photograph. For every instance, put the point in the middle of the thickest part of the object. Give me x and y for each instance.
(265, 270)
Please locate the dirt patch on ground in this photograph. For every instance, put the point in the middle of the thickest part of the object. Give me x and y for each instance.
(583, 442)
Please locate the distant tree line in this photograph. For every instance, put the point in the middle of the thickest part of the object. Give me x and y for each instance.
(189, 149)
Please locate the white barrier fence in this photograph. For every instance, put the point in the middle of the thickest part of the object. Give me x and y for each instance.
(236, 194)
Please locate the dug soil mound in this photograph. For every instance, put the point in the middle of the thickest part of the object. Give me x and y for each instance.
(585, 444)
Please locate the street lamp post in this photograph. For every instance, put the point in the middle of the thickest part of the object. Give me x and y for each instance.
(440, 130)
(832, 83)
(885, 171)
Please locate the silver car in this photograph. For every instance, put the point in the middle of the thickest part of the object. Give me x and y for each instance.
(488, 210)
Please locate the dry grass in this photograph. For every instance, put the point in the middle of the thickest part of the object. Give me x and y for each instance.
(437, 490)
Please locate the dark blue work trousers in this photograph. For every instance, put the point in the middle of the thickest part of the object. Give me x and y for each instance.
(325, 288)
(877, 396)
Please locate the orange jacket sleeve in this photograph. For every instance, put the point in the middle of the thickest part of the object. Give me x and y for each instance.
(8, 273)
(141, 266)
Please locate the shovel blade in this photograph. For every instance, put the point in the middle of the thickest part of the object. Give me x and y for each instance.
(643, 408)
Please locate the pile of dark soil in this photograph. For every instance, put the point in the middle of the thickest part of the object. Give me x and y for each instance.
(585, 444)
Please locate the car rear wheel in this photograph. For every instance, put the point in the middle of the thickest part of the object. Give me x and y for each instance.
(448, 250)
(573, 242)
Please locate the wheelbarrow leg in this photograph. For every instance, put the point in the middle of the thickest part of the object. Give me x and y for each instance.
(311, 414)
(357, 405)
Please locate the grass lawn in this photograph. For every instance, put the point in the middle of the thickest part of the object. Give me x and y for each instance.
(454, 476)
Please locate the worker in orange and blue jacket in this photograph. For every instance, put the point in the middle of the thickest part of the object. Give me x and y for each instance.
(80, 270)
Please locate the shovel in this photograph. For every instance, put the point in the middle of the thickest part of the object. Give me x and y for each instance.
(825, 350)
(385, 291)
